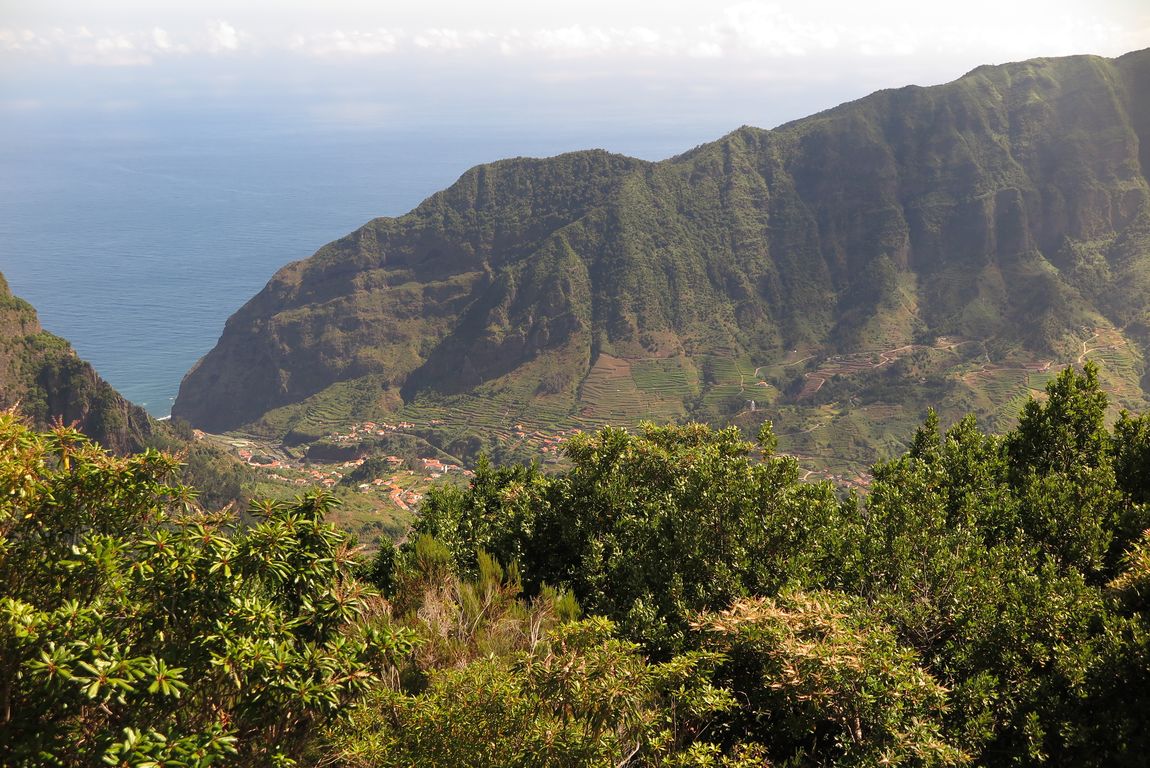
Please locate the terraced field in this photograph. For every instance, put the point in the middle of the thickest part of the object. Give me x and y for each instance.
(665, 378)
(955, 376)
(1119, 365)
(852, 365)
(876, 402)
(626, 391)
(727, 381)
(609, 394)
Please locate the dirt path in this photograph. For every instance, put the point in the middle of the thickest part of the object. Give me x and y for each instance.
(884, 357)
(1087, 350)
(806, 390)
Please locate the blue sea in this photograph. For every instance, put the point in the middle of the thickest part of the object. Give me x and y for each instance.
(136, 239)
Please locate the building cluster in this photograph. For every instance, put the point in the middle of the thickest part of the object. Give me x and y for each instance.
(551, 444)
(436, 468)
(368, 429)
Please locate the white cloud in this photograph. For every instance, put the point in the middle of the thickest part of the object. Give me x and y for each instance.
(705, 49)
(442, 39)
(577, 41)
(79, 45)
(84, 46)
(23, 41)
(754, 29)
(110, 51)
(222, 36)
(747, 32)
(339, 43)
(160, 39)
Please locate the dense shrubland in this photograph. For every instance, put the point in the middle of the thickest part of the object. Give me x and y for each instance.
(676, 597)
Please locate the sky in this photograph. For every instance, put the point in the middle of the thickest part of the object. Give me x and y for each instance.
(375, 63)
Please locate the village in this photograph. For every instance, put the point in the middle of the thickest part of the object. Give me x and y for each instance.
(395, 483)
(399, 482)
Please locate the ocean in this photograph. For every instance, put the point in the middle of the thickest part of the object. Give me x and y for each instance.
(135, 240)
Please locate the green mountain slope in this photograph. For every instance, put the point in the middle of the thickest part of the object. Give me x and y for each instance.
(919, 246)
(41, 374)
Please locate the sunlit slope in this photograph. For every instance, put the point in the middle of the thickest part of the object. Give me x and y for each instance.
(934, 236)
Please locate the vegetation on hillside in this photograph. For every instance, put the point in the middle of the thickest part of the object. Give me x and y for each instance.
(675, 597)
(41, 372)
(42, 375)
(944, 246)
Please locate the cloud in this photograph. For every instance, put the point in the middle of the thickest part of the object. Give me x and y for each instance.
(594, 41)
(23, 41)
(754, 29)
(222, 37)
(78, 45)
(339, 43)
(442, 39)
(87, 47)
(115, 51)
(161, 40)
(750, 31)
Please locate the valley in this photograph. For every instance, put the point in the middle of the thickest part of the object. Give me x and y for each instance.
(836, 414)
(949, 247)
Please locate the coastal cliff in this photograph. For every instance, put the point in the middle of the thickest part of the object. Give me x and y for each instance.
(1010, 207)
(41, 373)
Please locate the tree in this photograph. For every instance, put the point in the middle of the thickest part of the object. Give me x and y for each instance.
(137, 631)
(496, 514)
(986, 579)
(1068, 431)
(821, 680)
(644, 528)
(581, 697)
(652, 527)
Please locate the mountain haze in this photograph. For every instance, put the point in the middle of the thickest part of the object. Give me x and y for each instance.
(999, 220)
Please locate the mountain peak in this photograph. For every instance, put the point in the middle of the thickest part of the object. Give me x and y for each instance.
(1006, 211)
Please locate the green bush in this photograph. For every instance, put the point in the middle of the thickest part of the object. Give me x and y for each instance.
(138, 632)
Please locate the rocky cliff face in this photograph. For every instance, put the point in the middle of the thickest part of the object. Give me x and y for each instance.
(41, 374)
(1011, 205)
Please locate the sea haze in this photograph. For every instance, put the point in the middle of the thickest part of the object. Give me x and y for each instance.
(136, 240)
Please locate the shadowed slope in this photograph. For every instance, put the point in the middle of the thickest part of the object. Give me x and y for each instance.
(1010, 206)
(41, 373)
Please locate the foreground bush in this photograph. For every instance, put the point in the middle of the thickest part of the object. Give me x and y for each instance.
(985, 603)
(134, 631)
(580, 697)
(990, 590)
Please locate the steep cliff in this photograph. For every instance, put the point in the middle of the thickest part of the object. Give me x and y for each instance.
(1010, 207)
(41, 373)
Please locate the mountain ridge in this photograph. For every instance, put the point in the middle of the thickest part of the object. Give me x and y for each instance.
(1009, 207)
